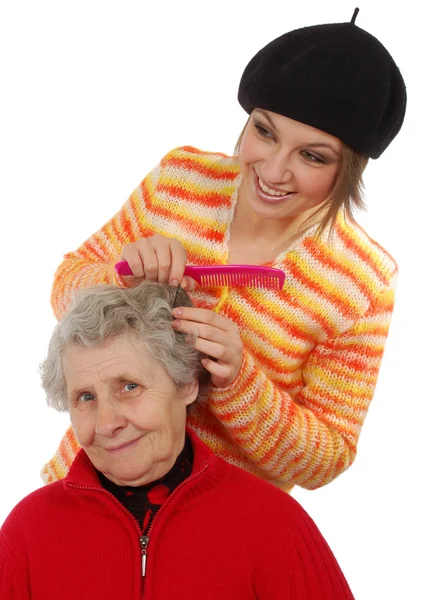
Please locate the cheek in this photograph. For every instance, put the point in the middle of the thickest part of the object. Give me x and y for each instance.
(83, 425)
(168, 416)
(248, 152)
(149, 413)
(318, 185)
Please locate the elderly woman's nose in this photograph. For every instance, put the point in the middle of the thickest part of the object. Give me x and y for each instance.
(108, 419)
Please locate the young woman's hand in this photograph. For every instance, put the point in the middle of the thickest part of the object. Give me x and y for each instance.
(157, 258)
(214, 335)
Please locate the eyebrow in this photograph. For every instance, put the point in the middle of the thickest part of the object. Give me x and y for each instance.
(314, 145)
(267, 116)
(321, 145)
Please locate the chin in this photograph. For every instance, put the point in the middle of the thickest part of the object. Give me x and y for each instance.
(133, 478)
(263, 211)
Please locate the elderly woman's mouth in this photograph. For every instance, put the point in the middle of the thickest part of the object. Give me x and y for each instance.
(123, 446)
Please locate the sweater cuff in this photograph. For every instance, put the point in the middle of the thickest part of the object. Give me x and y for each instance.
(246, 372)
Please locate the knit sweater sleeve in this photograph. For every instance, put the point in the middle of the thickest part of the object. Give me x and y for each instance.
(310, 570)
(93, 262)
(312, 439)
(13, 583)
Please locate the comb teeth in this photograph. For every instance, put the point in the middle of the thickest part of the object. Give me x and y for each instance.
(240, 280)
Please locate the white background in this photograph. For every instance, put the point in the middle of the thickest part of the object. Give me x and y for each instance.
(92, 95)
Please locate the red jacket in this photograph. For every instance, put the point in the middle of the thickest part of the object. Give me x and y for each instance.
(222, 534)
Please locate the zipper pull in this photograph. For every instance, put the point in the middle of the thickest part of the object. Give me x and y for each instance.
(144, 545)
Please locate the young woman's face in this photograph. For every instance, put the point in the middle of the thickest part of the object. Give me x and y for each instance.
(288, 167)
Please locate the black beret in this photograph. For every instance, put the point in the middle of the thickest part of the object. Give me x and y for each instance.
(335, 77)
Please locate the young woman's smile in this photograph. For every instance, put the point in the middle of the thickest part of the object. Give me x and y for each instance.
(288, 168)
(269, 194)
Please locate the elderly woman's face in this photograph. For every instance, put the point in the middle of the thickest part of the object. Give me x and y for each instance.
(126, 412)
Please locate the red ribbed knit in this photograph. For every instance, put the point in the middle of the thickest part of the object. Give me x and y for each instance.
(223, 534)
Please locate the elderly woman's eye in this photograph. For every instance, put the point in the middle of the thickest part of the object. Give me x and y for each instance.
(128, 387)
(86, 397)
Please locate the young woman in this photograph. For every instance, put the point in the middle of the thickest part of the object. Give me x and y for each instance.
(293, 371)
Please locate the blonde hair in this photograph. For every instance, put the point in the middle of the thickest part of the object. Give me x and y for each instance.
(347, 193)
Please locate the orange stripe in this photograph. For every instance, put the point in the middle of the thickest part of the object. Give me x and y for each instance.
(89, 251)
(296, 332)
(341, 305)
(202, 199)
(327, 260)
(188, 223)
(65, 457)
(316, 472)
(342, 371)
(250, 377)
(323, 409)
(193, 150)
(216, 172)
(288, 411)
(364, 255)
(51, 467)
(130, 228)
(272, 362)
(96, 247)
(355, 348)
(117, 234)
(261, 306)
(323, 467)
(72, 440)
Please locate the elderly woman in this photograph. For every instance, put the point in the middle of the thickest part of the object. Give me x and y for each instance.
(147, 510)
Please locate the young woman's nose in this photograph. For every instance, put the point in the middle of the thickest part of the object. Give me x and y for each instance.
(277, 168)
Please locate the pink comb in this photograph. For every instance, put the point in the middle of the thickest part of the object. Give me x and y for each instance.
(230, 275)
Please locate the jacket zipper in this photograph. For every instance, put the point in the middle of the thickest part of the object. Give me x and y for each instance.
(146, 538)
(144, 545)
(107, 493)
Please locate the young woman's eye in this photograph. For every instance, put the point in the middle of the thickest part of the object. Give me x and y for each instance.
(312, 157)
(263, 131)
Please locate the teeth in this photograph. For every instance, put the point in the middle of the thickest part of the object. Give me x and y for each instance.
(267, 190)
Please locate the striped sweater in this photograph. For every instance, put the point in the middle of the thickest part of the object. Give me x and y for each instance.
(312, 351)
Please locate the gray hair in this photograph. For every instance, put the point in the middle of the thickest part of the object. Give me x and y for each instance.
(143, 312)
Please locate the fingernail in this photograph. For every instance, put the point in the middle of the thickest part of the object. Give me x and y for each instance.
(174, 282)
(177, 312)
(175, 324)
